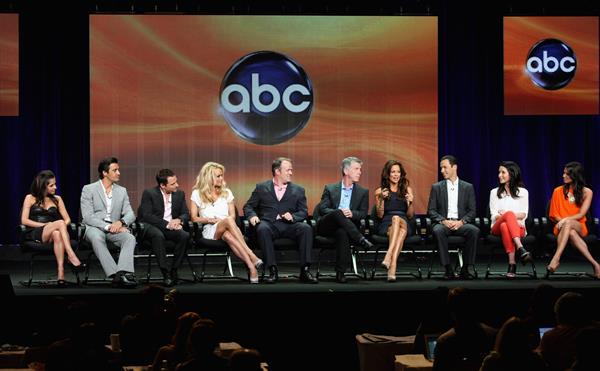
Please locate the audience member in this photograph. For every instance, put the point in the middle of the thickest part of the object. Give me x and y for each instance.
(203, 342)
(587, 344)
(245, 360)
(177, 351)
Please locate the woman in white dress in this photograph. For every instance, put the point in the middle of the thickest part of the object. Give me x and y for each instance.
(212, 205)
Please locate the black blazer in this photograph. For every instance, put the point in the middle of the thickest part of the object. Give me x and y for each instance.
(437, 208)
(152, 208)
(263, 202)
(332, 195)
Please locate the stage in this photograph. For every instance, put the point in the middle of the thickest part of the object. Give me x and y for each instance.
(294, 325)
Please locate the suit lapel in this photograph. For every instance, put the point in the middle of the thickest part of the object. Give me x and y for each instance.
(271, 189)
(353, 197)
(287, 193)
(445, 197)
(161, 201)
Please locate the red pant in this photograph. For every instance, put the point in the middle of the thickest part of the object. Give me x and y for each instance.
(508, 227)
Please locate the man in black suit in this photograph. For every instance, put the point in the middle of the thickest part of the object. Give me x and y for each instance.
(277, 208)
(343, 205)
(164, 212)
(452, 210)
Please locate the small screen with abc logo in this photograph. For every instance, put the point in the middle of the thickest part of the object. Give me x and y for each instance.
(551, 65)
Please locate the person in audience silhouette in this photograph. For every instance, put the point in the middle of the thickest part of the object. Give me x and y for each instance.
(569, 206)
(587, 344)
(203, 341)
(394, 204)
(46, 219)
(509, 205)
(464, 346)
(512, 350)
(245, 360)
(177, 351)
(212, 205)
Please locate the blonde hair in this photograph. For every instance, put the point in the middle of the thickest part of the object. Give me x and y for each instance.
(205, 182)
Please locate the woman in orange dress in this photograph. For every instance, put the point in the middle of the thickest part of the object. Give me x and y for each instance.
(568, 208)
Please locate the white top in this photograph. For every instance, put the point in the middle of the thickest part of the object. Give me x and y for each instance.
(218, 209)
(516, 205)
(167, 204)
(452, 199)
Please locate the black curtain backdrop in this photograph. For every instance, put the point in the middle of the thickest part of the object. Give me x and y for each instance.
(52, 131)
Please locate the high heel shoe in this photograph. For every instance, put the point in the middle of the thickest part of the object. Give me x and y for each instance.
(61, 283)
(525, 256)
(252, 280)
(385, 265)
(77, 268)
(391, 278)
(512, 271)
(259, 263)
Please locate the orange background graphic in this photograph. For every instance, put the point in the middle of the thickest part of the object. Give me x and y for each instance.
(9, 64)
(155, 83)
(521, 96)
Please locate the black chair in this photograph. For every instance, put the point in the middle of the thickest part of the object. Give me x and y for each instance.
(381, 244)
(324, 244)
(455, 246)
(35, 249)
(144, 250)
(532, 225)
(208, 248)
(551, 241)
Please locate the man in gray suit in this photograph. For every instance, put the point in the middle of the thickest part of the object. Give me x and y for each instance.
(452, 210)
(106, 214)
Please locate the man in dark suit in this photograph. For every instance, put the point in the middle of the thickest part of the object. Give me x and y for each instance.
(343, 205)
(452, 210)
(277, 208)
(164, 212)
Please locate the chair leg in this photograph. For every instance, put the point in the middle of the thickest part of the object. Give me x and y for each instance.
(194, 273)
(203, 272)
(149, 271)
(354, 263)
(229, 265)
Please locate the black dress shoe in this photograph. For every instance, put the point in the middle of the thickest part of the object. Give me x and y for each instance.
(449, 274)
(366, 244)
(167, 280)
(174, 276)
(273, 275)
(340, 277)
(124, 280)
(465, 275)
(306, 276)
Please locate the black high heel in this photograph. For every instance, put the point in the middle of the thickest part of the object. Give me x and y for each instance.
(77, 268)
(512, 271)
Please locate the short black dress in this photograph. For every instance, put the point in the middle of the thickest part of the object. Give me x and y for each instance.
(38, 214)
(394, 205)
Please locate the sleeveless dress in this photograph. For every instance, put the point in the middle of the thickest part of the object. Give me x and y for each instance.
(393, 206)
(217, 209)
(562, 207)
(38, 214)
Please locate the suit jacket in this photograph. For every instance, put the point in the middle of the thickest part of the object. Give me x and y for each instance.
(437, 208)
(152, 208)
(93, 205)
(332, 195)
(263, 202)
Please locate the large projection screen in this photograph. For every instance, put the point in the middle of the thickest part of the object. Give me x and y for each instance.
(9, 64)
(155, 98)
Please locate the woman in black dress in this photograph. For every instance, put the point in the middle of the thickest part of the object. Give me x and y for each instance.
(394, 204)
(46, 218)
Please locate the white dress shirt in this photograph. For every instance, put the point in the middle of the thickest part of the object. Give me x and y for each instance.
(167, 201)
(452, 199)
(508, 203)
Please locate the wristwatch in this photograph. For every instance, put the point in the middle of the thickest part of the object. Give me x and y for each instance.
(123, 222)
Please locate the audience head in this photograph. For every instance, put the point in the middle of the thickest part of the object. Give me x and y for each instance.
(587, 343)
(352, 168)
(245, 360)
(393, 172)
(541, 304)
(574, 179)
(512, 339)
(152, 299)
(204, 337)
(109, 168)
(571, 309)
(167, 181)
(461, 306)
(182, 331)
(448, 167)
(509, 176)
(44, 185)
(282, 170)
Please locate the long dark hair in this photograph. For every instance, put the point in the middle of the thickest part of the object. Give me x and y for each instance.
(39, 185)
(575, 172)
(385, 178)
(514, 181)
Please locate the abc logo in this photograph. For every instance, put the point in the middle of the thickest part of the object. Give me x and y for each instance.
(551, 64)
(266, 98)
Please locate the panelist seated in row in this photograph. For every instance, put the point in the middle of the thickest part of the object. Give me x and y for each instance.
(509, 205)
(452, 211)
(569, 206)
(394, 205)
(46, 219)
(164, 212)
(106, 214)
(212, 205)
(277, 208)
(342, 206)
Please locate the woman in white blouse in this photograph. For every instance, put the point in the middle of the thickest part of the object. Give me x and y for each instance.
(509, 204)
(212, 205)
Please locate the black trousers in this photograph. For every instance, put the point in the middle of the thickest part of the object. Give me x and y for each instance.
(343, 230)
(158, 240)
(468, 231)
(302, 233)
